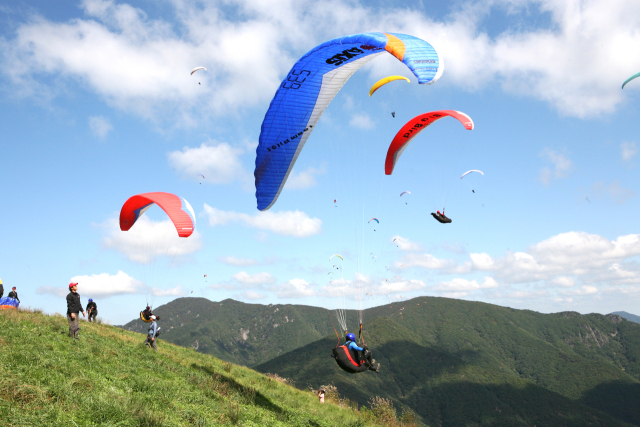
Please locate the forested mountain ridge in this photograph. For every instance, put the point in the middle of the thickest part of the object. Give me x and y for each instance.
(630, 317)
(453, 362)
(468, 363)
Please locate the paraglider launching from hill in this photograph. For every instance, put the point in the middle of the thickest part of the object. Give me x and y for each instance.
(311, 85)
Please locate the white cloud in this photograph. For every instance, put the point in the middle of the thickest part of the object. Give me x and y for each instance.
(340, 288)
(304, 179)
(561, 166)
(564, 281)
(362, 121)
(614, 191)
(148, 240)
(150, 74)
(294, 288)
(171, 292)
(584, 290)
(462, 285)
(100, 126)
(286, 223)
(98, 286)
(240, 262)
(405, 244)
(219, 163)
(257, 279)
(423, 260)
(628, 150)
(250, 295)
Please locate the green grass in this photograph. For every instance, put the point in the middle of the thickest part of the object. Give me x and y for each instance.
(110, 378)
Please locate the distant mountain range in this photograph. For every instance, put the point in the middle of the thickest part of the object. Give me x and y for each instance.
(630, 317)
(455, 363)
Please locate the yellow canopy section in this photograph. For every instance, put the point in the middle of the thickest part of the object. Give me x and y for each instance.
(384, 81)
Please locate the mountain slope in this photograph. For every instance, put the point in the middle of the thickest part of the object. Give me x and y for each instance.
(467, 363)
(247, 334)
(630, 317)
(108, 377)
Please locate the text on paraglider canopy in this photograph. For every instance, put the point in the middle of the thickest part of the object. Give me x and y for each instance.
(345, 55)
(417, 126)
(290, 139)
(293, 79)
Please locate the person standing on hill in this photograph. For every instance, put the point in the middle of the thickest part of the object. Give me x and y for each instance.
(13, 294)
(92, 310)
(321, 395)
(74, 307)
(1, 289)
(154, 331)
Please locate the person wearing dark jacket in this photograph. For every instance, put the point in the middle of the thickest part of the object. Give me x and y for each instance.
(92, 310)
(13, 294)
(74, 307)
(1, 289)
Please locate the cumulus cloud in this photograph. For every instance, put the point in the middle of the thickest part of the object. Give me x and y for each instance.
(257, 279)
(613, 191)
(285, 223)
(584, 290)
(304, 179)
(340, 288)
(240, 262)
(150, 75)
(563, 258)
(219, 163)
(462, 285)
(405, 244)
(99, 285)
(294, 288)
(251, 295)
(561, 166)
(362, 121)
(148, 240)
(100, 126)
(427, 261)
(171, 292)
(628, 150)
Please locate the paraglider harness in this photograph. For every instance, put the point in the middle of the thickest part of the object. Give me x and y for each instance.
(351, 361)
(145, 316)
(440, 217)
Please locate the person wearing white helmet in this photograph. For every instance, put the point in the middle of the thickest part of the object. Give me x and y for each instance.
(154, 331)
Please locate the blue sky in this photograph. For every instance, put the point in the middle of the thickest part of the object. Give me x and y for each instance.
(98, 105)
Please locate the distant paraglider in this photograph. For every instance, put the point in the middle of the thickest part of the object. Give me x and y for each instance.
(468, 172)
(384, 81)
(196, 69)
(413, 127)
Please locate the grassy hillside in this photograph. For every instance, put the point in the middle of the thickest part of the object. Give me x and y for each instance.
(109, 378)
(462, 363)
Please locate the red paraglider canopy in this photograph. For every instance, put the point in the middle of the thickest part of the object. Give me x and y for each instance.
(179, 210)
(413, 127)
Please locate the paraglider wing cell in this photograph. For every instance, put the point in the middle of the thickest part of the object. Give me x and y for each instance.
(196, 69)
(179, 211)
(308, 89)
(412, 128)
(377, 85)
(635, 76)
(468, 172)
